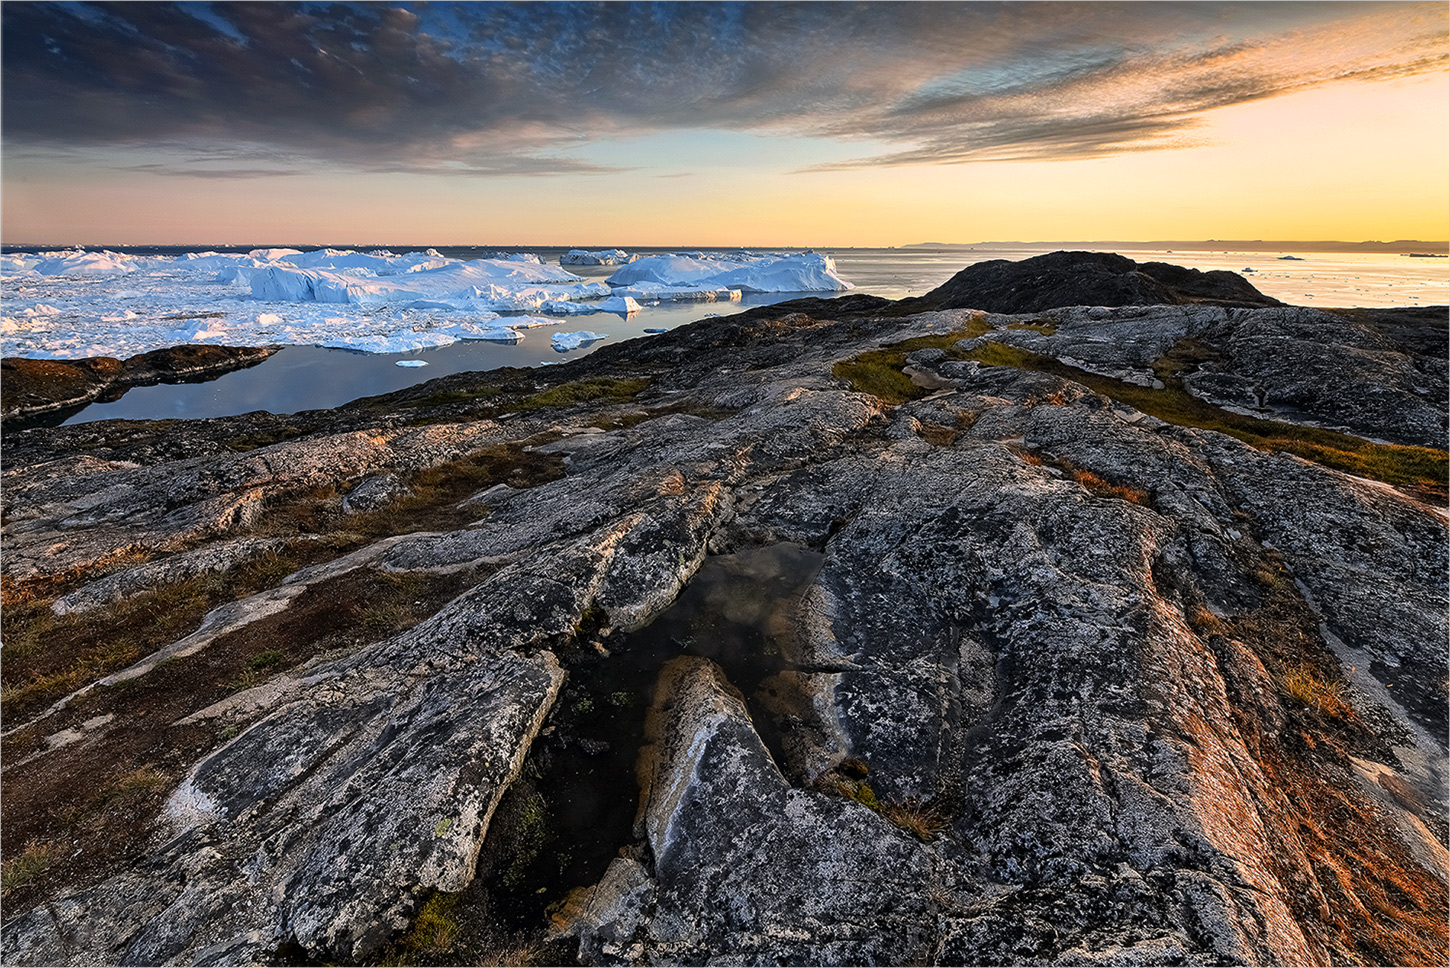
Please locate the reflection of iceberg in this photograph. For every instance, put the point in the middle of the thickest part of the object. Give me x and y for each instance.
(658, 292)
(564, 342)
(801, 272)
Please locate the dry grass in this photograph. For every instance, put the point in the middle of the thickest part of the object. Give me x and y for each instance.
(25, 867)
(1308, 687)
(1103, 488)
(922, 820)
(936, 434)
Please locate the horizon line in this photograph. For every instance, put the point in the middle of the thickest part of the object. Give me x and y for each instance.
(1149, 243)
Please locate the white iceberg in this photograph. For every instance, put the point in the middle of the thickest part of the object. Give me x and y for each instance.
(801, 272)
(80, 263)
(493, 284)
(605, 257)
(411, 363)
(563, 342)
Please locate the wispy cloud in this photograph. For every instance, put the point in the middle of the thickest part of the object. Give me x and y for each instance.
(480, 90)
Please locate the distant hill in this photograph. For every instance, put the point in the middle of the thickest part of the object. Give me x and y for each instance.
(1227, 245)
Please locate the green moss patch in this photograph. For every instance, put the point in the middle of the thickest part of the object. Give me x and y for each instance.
(1422, 469)
(878, 372)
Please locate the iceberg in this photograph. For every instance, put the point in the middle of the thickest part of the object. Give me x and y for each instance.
(494, 284)
(606, 257)
(563, 342)
(801, 272)
(80, 263)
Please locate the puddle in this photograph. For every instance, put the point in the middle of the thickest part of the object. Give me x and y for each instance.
(574, 806)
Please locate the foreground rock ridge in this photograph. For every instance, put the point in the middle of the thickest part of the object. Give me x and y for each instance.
(1065, 683)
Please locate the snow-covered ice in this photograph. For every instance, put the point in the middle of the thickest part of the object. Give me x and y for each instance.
(75, 303)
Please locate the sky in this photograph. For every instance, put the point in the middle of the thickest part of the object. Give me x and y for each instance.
(864, 124)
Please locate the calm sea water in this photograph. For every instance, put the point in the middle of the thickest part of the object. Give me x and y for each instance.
(306, 378)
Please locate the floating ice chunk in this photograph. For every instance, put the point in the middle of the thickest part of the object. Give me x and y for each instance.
(563, 342)
(802, 272)
(411, 363)
(404, 342)
(655, 329)
(617, 304)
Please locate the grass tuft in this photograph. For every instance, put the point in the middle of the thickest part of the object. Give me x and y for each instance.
(919, 819)
(266, 658)
(24, 868)
(1327, 696)
(434, 930)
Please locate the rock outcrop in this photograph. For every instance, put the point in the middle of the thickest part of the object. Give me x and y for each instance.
(1088, 279)
(34, 388)
(1067, 683)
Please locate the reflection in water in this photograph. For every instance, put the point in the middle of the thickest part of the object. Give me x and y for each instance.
(575, 806)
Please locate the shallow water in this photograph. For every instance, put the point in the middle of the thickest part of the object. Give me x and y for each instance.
(735, 611)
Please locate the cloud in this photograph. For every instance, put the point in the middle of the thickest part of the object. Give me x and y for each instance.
(493, 89)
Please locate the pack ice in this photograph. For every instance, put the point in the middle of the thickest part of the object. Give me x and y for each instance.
(78, 303)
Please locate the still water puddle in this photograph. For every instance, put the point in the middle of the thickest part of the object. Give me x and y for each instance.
(575, 805)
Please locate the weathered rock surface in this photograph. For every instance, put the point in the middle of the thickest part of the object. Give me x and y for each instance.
(1061, 634)
(1088, 279)
(36, 387)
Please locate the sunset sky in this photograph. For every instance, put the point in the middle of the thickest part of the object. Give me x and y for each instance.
(723, 124)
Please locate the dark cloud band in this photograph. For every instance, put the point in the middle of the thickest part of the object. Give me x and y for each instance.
(506, 89)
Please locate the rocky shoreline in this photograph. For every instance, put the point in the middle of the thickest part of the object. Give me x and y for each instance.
(34, 391)
(1080, 635)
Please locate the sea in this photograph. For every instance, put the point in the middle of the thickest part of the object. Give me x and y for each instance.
(301, 378)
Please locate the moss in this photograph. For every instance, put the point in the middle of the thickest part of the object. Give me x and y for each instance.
(530, 831)
(265, 658)
(878, 372)
(433, 931)
(1404, 466)
(583, 391)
